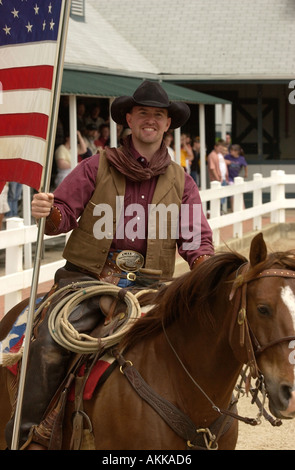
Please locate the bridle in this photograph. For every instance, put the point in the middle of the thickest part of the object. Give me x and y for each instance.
(182, 424)
(247, 340)
(239, 295)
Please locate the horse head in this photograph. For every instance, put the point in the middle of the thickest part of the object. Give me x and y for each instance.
(263, 329)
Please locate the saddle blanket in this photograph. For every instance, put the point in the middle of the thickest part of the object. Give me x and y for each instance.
(100, 371)
(14, 341)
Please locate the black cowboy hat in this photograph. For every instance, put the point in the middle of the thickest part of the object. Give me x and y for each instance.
(150, 94)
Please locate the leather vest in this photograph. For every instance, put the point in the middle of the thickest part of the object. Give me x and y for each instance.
(86, 250)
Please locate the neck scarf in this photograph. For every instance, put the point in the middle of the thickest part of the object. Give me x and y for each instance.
(124, 161)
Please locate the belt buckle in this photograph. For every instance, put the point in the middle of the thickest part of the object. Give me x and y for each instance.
(129, 261)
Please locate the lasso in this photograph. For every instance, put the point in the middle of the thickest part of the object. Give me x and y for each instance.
(63, 332)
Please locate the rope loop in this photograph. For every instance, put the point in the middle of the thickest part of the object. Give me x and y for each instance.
(63, 332)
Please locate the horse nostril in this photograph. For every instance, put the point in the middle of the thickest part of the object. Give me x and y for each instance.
(286, 393)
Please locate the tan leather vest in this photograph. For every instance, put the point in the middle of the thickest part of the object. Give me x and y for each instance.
(87, 251)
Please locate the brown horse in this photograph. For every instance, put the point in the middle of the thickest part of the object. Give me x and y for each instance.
(190, 349)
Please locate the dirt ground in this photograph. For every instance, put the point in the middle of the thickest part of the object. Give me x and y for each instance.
(263, 436)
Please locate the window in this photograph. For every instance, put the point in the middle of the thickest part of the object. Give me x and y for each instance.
(78, 10)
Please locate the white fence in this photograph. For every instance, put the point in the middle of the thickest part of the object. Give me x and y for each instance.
(18, 237)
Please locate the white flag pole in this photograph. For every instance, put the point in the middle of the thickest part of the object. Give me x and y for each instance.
(45, 186)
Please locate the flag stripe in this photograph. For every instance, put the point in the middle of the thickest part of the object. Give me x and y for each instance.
(22, 171)
(26, 101)
(29, 42)
(34, 124)
(26, 78)
(29, 148)
(27, 55)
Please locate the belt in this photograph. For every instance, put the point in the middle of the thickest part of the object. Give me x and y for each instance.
(112, 270)
(119, 264)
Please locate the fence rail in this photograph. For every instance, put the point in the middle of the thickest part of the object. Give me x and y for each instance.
(14, 240)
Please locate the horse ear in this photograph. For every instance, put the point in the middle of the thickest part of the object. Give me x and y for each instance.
(258, 250)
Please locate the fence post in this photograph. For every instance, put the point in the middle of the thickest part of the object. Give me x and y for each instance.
(13, 263)
(238, 205)
(257, 201)
(215, 210)
(277, 193)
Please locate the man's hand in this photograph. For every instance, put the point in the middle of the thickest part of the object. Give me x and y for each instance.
(42, 204)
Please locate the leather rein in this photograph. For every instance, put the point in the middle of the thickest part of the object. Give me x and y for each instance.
(182, 424)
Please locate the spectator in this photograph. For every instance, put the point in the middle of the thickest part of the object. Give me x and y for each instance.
(81, 110)
(168, 139)
(235, 161)
(63, 159)
(4, 207)
(94, 116)
(218, 168)
(195, 164)
(216, 164)
(104, 136)
(14, 196)
(186, 152)
(91, 135)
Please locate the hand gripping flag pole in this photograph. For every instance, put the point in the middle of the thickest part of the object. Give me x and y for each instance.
(45, 186)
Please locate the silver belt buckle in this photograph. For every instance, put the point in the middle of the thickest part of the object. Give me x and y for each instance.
(129, 260)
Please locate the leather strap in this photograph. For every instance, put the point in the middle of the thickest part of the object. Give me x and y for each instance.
(182, 425)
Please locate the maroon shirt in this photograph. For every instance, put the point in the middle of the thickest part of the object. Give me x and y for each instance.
(73, 194)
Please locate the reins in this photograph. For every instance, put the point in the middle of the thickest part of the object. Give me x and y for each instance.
(250, 342)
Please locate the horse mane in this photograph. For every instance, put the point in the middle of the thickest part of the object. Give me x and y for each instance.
(186, 294)
(195, 292)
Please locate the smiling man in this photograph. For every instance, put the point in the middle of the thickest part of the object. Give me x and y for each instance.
(140, 175)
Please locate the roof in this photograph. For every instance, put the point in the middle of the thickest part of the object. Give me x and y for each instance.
(108, 86)
(195, 39)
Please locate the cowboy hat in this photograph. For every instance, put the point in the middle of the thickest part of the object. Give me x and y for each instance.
(150, 94)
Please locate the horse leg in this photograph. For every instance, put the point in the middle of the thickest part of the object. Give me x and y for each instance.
(48, 363)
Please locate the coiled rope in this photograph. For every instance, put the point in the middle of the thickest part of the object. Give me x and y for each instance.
(63, 332)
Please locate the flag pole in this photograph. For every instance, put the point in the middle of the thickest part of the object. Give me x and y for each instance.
(45, 187)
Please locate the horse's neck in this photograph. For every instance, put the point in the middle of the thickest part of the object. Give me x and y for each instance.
(204, 351)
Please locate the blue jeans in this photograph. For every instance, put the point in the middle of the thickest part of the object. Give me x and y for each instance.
(14, 195)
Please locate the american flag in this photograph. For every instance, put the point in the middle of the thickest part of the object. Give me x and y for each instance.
(29, 36)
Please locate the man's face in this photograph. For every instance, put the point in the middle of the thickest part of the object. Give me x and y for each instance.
(148, 124)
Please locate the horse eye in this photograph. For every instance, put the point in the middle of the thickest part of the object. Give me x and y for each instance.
(263, 310)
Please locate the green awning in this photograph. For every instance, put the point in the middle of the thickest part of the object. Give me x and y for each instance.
(91, 84)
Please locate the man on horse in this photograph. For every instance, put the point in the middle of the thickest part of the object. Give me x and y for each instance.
(119, 247)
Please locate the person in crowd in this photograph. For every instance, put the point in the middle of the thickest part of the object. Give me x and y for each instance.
(14, 196)
(186, 152)
(63, 157)
(168, 140)
(141, 173)
(90, 136)
(104, 136)
(195, 163)
(4, 207)
(81, 113)
(236, 161)
(218, 168)
(95, 117)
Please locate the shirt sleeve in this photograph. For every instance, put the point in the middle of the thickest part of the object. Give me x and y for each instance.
(73, 194)
(195, 234)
